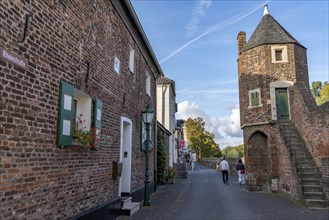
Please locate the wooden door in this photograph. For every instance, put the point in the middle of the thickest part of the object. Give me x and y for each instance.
(282, 104)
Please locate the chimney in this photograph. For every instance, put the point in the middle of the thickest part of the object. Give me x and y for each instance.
(241, 41)
(266, 12)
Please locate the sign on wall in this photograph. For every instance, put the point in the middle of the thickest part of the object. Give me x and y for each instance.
(13, 58)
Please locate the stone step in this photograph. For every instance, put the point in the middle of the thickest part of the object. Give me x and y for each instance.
(130, 208)
(125, 201)
(309, 169)
(310, 181)
(312, 188)
(314, 195)
(305, 159)
(301, 153)
(318, 208)
(310, 175)
(317, 203)
(306, 163)
(293, 140)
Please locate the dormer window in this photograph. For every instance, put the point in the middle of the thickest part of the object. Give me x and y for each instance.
(279, 54)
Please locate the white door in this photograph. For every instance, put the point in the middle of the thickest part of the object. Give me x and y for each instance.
(125, 155)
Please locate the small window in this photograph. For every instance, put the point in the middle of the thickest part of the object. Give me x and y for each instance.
(117, 65)
(254, 98)
(148, 83)
(279, 54)
(131, 59)
(75, 112)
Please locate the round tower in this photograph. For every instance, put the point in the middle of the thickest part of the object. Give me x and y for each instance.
(268, 64)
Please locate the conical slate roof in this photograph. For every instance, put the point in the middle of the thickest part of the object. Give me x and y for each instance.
(269, 31)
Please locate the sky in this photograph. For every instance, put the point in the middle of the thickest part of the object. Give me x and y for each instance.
(195, 42)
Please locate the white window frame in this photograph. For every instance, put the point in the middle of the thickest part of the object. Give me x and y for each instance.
(131, 59)
(284, 54)
(148, 83)
(250, 93)
(117, 65)
(84, 105)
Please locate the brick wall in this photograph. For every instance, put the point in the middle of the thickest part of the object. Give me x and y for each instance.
(37, 179)
(266, 155)
(257, 71)
(267, 158)
(312, 122)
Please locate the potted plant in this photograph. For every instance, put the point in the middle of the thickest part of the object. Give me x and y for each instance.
(84, 139)
(171, 175)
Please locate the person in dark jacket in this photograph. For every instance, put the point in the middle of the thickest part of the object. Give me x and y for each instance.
(241, 171)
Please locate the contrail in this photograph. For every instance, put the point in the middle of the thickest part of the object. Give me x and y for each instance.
(206, 83)
(212, 29)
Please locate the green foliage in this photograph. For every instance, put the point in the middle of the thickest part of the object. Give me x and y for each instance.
(234, 152)
(161, 158)
(316, 87)
(320, 92)
(200, 140)
(84, 139)
(323, 95)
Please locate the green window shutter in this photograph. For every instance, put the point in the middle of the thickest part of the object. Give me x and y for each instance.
(98, 114)
(252, 99)
(65, 114)
(256, 99)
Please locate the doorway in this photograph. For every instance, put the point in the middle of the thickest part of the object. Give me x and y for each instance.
(282, 104)
(125, 156)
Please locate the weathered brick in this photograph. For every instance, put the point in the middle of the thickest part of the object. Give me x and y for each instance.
(72, 182)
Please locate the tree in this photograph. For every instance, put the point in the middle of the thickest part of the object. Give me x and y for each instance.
(200, 140)
(323, 95)
(234, 152)
(320, 92)
(316, 87)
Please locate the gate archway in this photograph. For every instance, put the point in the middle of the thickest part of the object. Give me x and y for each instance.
(258, 161)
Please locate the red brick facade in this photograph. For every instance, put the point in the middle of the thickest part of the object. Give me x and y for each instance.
(73, 41)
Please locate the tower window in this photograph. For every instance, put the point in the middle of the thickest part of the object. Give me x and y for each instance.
(279, 54)
(254, 98)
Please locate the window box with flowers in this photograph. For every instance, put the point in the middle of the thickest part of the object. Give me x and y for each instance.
(74, 119)
(84, 139)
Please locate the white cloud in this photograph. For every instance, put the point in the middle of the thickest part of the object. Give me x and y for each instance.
(198, 12)
(226, 129)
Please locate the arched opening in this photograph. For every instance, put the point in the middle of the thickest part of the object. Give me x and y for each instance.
(257, 161)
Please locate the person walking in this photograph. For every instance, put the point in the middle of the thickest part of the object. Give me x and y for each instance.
(241, 170)
(224, 167)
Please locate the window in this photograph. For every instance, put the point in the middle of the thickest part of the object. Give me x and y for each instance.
(279, 54)
(75, 104)
(117, 65)
(254, 98)
(131, 59)
(148, 83)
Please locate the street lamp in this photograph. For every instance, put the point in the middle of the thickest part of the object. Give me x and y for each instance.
(147, 119)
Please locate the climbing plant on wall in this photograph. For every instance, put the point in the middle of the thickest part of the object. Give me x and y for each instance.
(161, 158)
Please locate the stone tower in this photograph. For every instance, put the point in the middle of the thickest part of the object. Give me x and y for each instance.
(277, 112)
